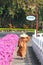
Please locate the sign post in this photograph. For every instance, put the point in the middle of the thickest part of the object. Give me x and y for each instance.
(36, 20)
(32, 18)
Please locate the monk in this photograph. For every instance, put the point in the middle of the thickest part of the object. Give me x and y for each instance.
(22, 45)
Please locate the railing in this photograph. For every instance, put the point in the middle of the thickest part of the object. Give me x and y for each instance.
(37, 46)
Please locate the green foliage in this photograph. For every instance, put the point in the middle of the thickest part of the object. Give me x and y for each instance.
(16, 29)
(20, 17)
(15, 11)
(1, 10)
(41, 13)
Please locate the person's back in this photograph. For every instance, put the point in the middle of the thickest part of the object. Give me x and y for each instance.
(22, 46)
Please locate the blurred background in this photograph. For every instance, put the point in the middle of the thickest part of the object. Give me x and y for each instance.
(13, 13)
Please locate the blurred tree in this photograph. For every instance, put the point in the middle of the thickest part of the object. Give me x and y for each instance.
(17, 10)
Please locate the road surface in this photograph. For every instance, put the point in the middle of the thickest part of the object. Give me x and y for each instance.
(30, 59)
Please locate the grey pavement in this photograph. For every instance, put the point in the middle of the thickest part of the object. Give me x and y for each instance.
(30, 59)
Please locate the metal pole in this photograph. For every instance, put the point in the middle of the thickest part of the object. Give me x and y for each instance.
(36, 20)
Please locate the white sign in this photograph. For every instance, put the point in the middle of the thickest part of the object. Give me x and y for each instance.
(30, 18)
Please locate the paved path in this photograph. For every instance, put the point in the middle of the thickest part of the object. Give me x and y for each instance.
(30, 57)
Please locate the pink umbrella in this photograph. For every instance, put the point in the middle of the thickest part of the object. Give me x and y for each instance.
(7, 46)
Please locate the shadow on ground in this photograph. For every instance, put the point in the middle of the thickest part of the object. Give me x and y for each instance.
(31, 58)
